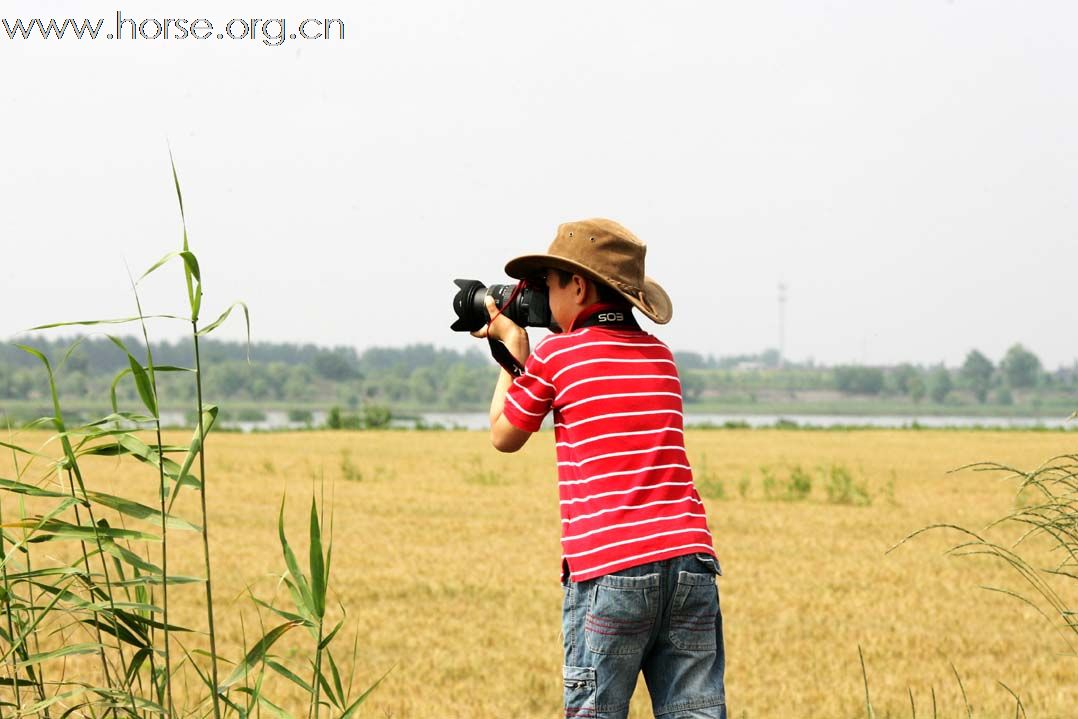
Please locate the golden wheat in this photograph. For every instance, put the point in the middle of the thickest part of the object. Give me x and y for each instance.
(446, 558)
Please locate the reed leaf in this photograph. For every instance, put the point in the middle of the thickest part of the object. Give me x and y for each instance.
(42, 706)
(336, 677)
(224, 316)
(317, 564)
(65, 651)
(329, 637)
(208, 419)
(354, 706)
(131, 508)
(289, 675)
(117, 321)
(18, 546)
(189, 260)
(134, 368)
(282, 613)
(50, 530)
(273, 708)
(28, 489)
(16, 448)
(122, 553)
(125, 700)
(118, 631)
(300, 582)
(257, 653)
(152, 579)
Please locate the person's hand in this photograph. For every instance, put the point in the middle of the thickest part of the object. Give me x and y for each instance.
(501, 328)
(504, 330)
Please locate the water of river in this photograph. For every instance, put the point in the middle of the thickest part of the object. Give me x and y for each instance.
(276, 420)
(479, 420)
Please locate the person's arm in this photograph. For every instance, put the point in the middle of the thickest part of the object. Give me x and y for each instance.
(504, 435)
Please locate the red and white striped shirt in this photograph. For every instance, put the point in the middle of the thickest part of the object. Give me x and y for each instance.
(624, 481)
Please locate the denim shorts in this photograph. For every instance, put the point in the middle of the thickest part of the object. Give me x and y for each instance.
(661, 618)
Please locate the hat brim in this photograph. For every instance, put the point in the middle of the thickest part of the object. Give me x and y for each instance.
(653, 302)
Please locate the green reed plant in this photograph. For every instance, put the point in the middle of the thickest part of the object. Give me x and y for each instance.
(1045, 555)
(110, 594)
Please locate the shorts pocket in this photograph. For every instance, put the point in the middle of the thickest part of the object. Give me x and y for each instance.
(694, 613)
(621, 614)
(579, 692)
(710, 561)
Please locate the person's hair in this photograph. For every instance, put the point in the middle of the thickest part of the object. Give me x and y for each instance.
(606, 292)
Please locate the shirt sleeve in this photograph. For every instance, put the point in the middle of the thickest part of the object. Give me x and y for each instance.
(530, 396)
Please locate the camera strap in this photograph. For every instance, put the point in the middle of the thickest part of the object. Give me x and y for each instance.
(505, 358)
(606, 314)
(500, 352)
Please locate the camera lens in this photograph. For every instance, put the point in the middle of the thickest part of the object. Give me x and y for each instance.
(529, 307)
(468, 304)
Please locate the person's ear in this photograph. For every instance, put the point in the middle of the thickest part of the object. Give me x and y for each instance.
(581, 286)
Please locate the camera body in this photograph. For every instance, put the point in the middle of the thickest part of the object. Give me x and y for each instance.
(523, 303)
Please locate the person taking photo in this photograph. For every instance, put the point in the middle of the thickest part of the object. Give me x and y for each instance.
(638, 563)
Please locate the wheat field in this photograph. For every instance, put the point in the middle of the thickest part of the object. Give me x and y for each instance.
(446, 561)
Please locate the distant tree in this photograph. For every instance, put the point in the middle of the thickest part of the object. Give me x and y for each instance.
(689, 360)
(230, 378)
(392, 386)
(917, 389)
(299, 385)
(335, 366)
(859, 380)
(467, 386)
(977, 371)
(1021, 367)
(1004, 396)
(77, 361)
(376, 416)
(770, 358)
(692, 385)
(901, 376)
(940, 384)
(425, 385)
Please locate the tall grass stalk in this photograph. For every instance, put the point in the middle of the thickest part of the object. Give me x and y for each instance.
(870, 713)
(193, 279)
(48, 603)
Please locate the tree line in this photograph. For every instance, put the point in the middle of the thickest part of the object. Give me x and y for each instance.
(423, 376)
(1019, 369)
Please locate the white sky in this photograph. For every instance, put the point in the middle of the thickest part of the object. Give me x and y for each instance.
(908, 168)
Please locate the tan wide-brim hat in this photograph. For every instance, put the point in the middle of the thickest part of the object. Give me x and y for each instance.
(603, 250)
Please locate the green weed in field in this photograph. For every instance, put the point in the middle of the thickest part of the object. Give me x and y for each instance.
(349, 471)
(744, 485)
(799, 484)
(842, 488)
(475, 473)
(769, 483)
(707, 482)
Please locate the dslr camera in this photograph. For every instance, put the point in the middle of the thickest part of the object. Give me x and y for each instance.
(525, 303)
